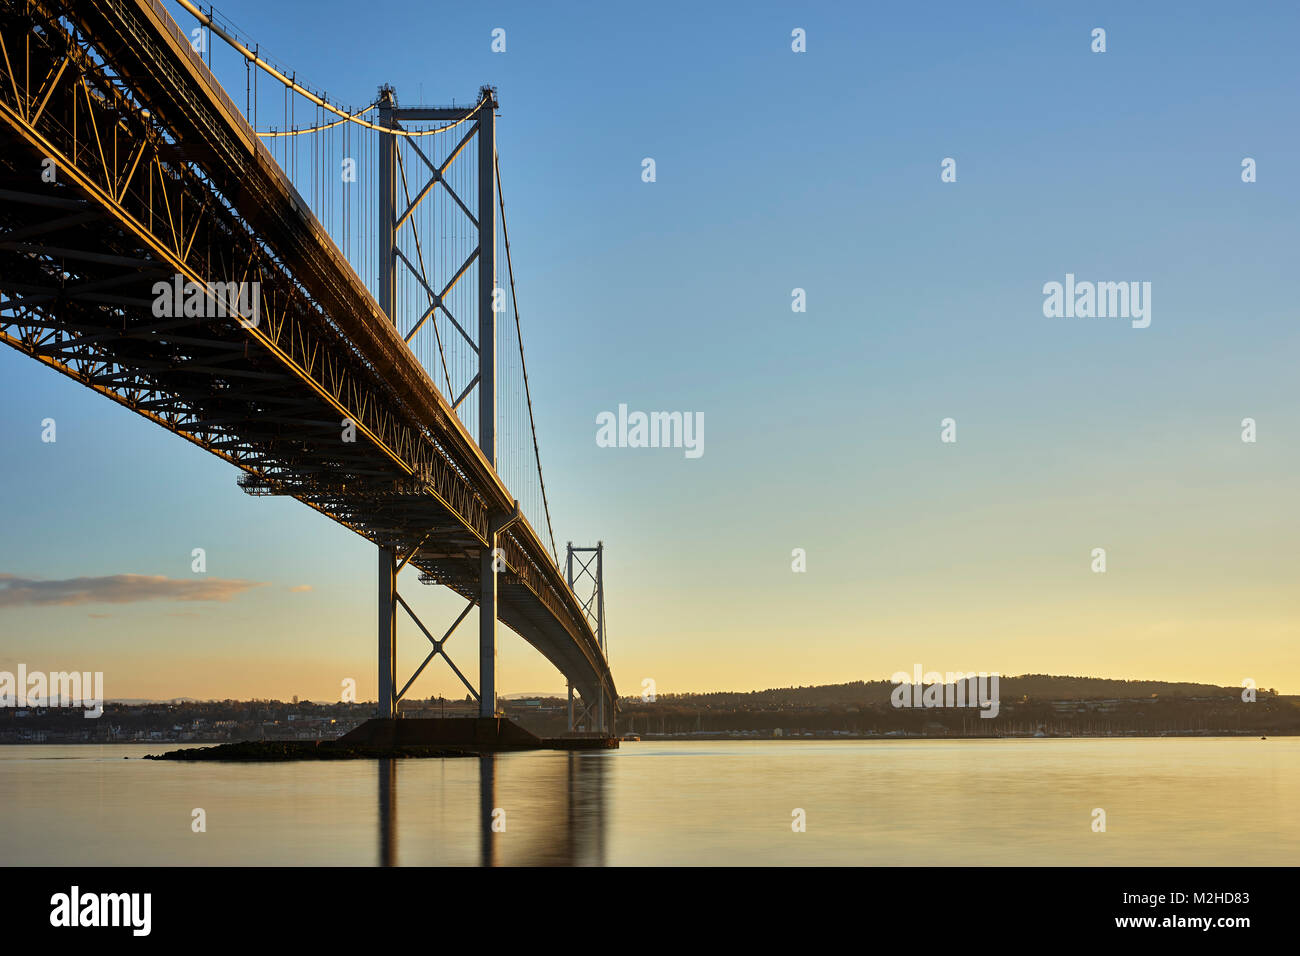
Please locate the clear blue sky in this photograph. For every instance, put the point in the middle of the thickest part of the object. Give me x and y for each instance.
(778, 170)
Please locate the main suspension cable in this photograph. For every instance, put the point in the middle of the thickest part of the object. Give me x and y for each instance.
(252, 57)
(276, 134)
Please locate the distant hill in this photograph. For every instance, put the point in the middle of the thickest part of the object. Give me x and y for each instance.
(151, 700)
(1033, 686)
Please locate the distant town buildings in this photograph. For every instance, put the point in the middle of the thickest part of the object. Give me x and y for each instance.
(846, 711)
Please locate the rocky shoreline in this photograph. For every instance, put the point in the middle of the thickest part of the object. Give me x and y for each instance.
(304, 750)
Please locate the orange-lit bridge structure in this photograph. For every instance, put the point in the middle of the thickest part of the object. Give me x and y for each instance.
(129, 175)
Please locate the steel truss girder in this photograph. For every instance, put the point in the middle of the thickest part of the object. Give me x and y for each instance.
(171, 209)
(129, 172)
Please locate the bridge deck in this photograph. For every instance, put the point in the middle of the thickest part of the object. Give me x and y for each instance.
(160, 175)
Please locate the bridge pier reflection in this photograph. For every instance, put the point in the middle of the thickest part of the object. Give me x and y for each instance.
(586, 809)
(387, 811)
(487, 788)
(549, 810)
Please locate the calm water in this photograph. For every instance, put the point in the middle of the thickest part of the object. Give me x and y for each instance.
(1168, 801)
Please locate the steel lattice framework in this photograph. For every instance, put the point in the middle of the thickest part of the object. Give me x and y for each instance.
(124, 165)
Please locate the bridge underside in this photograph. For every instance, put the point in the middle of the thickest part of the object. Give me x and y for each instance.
(154, 179)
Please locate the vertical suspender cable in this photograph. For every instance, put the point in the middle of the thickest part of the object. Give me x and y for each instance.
(510, 269)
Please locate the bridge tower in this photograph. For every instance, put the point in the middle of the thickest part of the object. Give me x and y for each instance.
(602, 710)
(487, 395)
(482, 118)
(387, 281)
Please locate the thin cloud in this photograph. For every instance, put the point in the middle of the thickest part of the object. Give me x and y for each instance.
(117, 589)
(299, 588)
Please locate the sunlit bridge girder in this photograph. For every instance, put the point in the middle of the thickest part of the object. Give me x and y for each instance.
(159, 175)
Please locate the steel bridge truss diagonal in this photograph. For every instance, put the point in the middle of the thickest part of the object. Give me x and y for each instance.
(126, 171)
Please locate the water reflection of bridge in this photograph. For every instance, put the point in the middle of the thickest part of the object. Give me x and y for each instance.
(552, 807)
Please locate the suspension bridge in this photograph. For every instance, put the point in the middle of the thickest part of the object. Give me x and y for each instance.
(322, 296)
